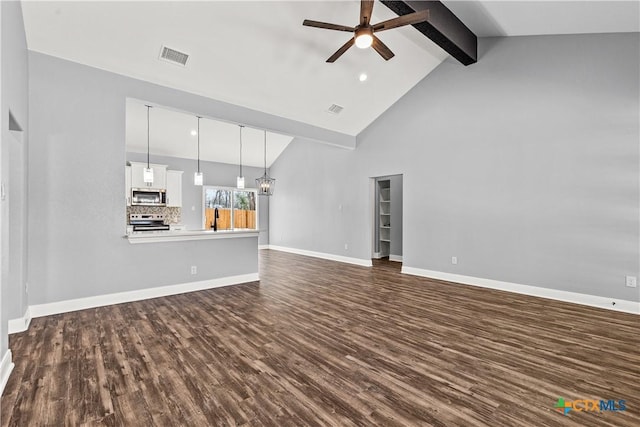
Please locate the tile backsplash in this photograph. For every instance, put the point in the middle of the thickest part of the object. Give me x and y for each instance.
(172, 215)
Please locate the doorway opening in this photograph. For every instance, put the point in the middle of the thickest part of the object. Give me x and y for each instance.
(386, 202)
(14, 222)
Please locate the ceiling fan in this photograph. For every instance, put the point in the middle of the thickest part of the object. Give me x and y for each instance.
(363, 33)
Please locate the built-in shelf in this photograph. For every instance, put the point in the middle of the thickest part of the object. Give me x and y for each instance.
(384, 217)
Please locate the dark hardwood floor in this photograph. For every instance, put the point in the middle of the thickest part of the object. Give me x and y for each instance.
(320, 343)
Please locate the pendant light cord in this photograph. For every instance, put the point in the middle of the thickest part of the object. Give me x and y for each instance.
(198, 143)
(148, 108)
(241, 150)
(265, 152)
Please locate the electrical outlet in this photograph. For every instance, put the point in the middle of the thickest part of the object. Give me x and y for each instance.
(632, 281)
(346, 247)
(26, 288)
(454, 260)
(193, 208)
(194, 269)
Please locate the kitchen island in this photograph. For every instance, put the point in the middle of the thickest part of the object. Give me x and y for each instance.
(172, 262)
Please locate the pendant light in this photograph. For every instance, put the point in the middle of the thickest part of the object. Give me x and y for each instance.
(198, 179)
(265, 183)
(148, 172)
(240, 179)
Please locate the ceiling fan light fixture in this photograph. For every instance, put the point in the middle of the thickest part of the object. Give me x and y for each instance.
(364, 37)
(364, 41)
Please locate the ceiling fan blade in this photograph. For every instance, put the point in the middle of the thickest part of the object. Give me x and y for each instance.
(366, 7)
(400, 21)
(327, 26)
(382, 49)
(342, 50)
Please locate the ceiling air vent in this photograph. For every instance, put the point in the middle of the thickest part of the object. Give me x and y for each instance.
(335, 109)
(173, 56)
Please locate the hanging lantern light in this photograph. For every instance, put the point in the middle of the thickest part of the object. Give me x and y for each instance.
(265, 183)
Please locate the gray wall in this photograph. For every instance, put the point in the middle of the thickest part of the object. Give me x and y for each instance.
(525, 166)
(13, 169)
(76, 180)
(314, 203)
(221, 174)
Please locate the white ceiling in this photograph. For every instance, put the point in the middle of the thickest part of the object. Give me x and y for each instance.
(526, 18)
(257, 54)
(170, 134)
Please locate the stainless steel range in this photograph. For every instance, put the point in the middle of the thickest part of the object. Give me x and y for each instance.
(147, 222)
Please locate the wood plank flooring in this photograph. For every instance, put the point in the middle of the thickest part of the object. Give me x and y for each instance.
(320, 343)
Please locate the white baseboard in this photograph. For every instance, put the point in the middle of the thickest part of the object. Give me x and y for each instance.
(263, 246)
(626, 306)
(20, 324)
(378, 255)
(331, 257)
(6, 366)
(40, 310)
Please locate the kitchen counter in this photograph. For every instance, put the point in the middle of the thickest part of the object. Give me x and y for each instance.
(182, 235)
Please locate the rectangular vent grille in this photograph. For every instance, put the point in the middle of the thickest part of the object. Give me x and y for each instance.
(173, 56)
(335, 109)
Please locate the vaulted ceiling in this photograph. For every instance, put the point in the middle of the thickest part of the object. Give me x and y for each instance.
(254, 54)
(257, 54)
(545, 17)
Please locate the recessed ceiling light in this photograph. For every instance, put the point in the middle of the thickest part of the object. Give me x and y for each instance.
(363, 77)
(194, 132)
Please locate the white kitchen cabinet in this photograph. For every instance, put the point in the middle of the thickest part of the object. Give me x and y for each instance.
(127, 184)
(159, 176)
(174, 188)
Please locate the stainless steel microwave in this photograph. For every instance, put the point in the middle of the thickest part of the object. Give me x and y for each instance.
(148, 197)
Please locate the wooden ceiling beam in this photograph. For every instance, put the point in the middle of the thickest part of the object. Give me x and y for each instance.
(443, 28)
